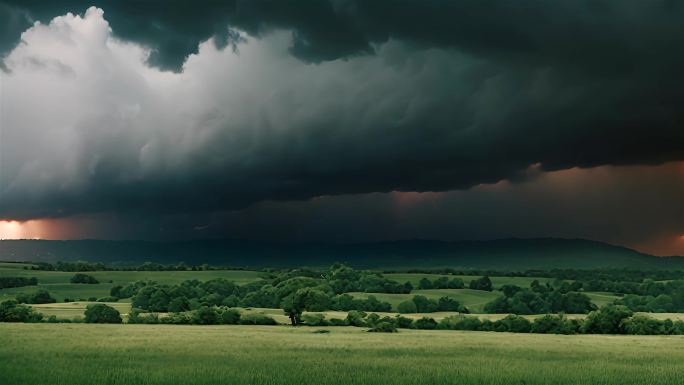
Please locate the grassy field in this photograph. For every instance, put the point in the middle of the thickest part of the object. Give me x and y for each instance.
(497, 282)
(57, 282)
(75, 354)
(473, 299)
(601, 298)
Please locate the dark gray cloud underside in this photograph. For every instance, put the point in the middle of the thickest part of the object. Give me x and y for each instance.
(561, 83)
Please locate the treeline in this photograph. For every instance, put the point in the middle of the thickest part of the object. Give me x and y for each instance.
(302, 288)
(662, 303)
(600, 274)
(441, 283)
(422, 304)
(611, 319)
(7, 282)
(203, 316)
(540, 299)
(147, 266)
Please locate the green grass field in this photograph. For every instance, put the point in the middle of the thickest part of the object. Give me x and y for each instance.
(79, 354)
(601, 298)
(57, 282)
(473, 299)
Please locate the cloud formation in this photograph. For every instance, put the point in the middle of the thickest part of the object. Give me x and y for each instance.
(333, 98)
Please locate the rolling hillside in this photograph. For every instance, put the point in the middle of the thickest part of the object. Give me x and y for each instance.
(542, 253)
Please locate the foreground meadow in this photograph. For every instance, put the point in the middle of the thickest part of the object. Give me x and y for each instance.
(162, 354)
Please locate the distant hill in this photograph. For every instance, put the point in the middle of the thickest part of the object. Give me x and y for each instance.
(510, 254)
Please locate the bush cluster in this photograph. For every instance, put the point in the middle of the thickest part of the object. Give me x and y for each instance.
(205, 315)
(539, 299)
(84, 278)
(40, 296)
(12, 311)
(7, 282)
(441, 283)
(422, 304)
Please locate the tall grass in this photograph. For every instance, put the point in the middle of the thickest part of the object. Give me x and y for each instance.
(77, 354)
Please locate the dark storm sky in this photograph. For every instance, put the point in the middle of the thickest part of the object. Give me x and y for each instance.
(325, 120)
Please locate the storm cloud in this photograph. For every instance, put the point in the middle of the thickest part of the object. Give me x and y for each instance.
(147, 108)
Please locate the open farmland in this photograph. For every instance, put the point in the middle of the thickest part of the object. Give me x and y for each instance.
(80, 354)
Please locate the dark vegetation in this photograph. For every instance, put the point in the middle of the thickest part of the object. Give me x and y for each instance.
(13, 311)
(441, 283)
(102, 314)
(84, 278)
(7, 282)
(99, 266)
(422, 304)
(40, 296)
(294, 291)
(540, 299)
(301, 293)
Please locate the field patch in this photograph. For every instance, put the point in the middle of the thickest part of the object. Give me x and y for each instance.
(473, 299)
(80, 354)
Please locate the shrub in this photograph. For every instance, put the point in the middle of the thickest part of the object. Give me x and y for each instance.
(84, 278)
(607, 320)
(108, 299)
(407, 307)
(460, 322)
(483, 283)
(643, 325)
(41, 296)
(555, 324)
(356, 318)
(337, 322)
(677, 328)
(315, 320)
(425, 323)
(403, 322)
(230, 317)
(12, 311)
(102, 314)
(6, 282)
(257, 319)
(205, 316)
(383, 327)
(512, 323)
(178, 319)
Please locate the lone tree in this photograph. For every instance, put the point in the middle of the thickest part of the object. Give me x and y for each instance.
(304, 299)
(102, 314)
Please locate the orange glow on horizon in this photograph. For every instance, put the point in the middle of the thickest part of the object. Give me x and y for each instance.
(31, 229)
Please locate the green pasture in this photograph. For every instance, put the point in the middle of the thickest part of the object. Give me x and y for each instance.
(80, 354)
(57, 282)
(473, 299)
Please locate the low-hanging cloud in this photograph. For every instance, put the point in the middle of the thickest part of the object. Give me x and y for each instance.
(88, 125)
